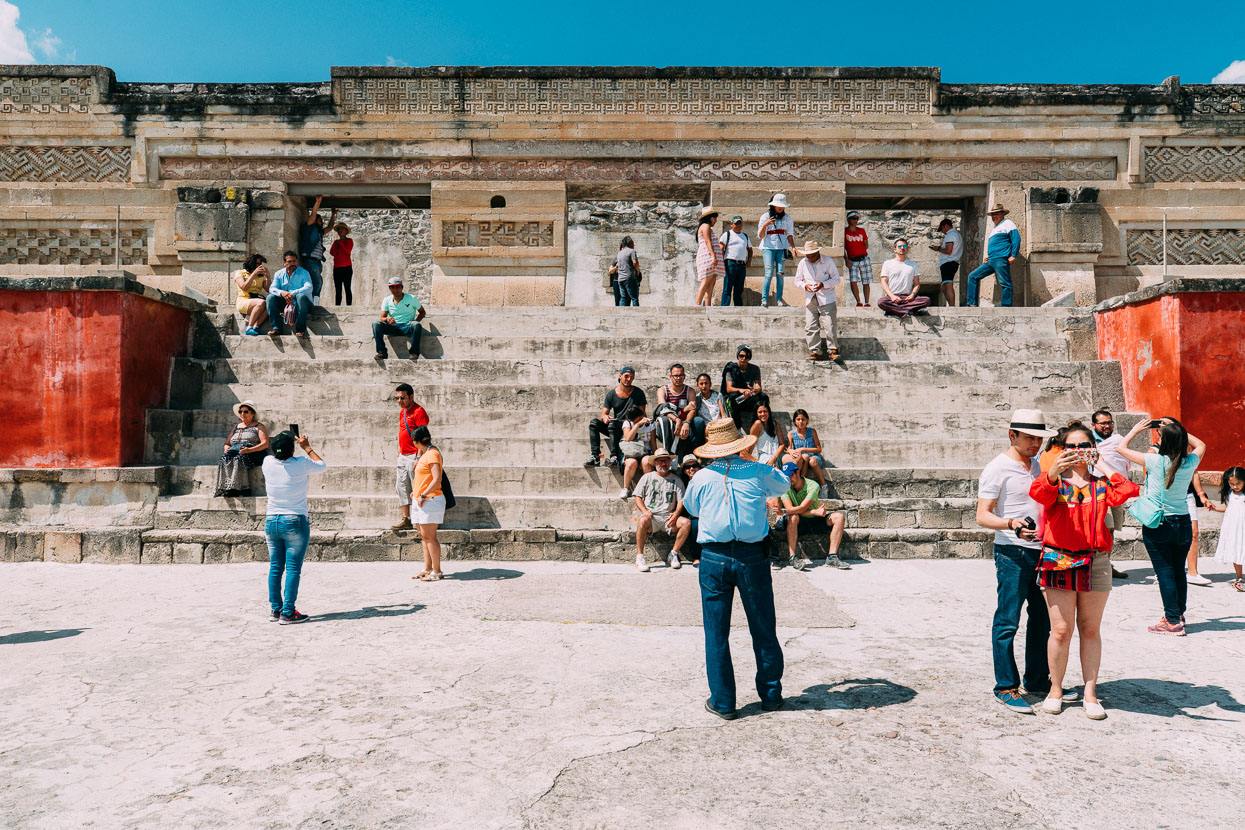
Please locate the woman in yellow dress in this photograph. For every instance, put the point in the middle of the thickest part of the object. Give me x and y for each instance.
(253, 280)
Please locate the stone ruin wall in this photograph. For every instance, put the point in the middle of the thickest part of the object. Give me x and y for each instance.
(202, 172)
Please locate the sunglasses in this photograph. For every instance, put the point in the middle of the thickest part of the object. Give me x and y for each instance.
(248, 411)
(1084, 446)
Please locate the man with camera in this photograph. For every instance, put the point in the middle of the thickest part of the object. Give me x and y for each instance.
(1005, 506)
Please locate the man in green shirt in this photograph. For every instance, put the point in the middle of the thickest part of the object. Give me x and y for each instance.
(802, 501)
(399, 314)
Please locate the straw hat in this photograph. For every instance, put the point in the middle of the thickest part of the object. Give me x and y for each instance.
(708, 210)
(998, 208)
(810, 247)
(722, 437)
(1030, 422)
(241, 404)
(779, 200)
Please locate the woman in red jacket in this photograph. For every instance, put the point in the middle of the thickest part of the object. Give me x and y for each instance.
(1075, 571)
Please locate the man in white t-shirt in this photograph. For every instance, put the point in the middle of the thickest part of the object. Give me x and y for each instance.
(901, 278)
(738, 258)
(819, 278)
(1005, 506)
(950, 250)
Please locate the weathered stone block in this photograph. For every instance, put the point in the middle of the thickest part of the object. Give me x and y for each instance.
(63, 547)
(544, 534)
(187, 553)
(267, 200)
(224, 222)
(156, 553)
(112, 548)
(900, 518)
(491, 535)
(216, 553)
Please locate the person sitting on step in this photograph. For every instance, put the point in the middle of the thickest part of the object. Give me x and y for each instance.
(291, 288)
(741, 387)
(624, 402)
(901, 279)
(400, 313)
(771, 447)
(804, 445)
(659, 505)
(800, 511)
(253, 281)
(637, 444)
(676, 404)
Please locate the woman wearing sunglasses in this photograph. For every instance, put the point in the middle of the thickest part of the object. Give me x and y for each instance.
(1075, 569)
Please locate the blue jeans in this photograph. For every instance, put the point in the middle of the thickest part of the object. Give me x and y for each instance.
(725, 566)
(628, 291)
(1168, 545)
(276, 305)
(1016, 569)
(617, 292)
(733, 285)
(413, 330)
(773, 266)
(287, 544)
(315, 268)
(1002, 270)
(698, 431)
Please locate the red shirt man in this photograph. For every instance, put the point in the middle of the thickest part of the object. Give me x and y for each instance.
(856, 242)
(410, 416)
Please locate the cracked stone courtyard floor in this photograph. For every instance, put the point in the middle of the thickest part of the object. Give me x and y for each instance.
(549, 695)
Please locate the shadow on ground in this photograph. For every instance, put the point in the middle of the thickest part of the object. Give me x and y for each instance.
(40, 636)
(858, 693)
(1216, 624)
(1167, 698)
(484, 573)
(369, 612)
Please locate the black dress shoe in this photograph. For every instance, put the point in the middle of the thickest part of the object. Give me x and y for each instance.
(731, 715)
(592, 462)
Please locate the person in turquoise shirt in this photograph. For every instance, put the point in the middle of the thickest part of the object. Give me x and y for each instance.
(729, 498)
(400, 313)
(1002, 248)
(291, 284)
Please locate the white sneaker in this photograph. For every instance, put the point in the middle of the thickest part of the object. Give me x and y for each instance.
(315, 301)
(1094, 711)
(1196, 579)
(673, 559)
(641, 563)
(624, 494)
(1052, 707)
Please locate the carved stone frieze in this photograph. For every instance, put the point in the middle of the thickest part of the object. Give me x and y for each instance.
(496, 234)
(1187, 246)
(64, 164)
(1207, 163)
(47, 95)
(71, 246)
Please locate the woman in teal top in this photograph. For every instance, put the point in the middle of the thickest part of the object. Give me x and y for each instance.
(1170, 468)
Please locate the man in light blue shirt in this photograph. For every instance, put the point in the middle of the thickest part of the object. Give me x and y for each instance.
(291, 284)
(729, 498)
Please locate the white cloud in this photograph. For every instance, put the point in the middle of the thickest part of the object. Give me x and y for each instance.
(1234, 74)
(390, 60)
(47, 43)
(13, 46)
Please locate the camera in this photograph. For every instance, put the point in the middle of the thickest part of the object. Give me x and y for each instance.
(1156, 424)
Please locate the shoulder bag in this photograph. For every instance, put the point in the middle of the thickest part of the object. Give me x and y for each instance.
(446, 489)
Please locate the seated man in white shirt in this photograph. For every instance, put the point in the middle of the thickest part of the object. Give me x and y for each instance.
(819, 279)
(901, 278)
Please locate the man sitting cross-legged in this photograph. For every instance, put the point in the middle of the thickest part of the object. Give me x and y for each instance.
(801, 510)
(659, 507)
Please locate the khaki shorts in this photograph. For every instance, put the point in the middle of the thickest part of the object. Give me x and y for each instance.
(1100, 572)
(404, 477)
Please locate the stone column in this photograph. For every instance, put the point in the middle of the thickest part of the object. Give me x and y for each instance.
(1065, 237)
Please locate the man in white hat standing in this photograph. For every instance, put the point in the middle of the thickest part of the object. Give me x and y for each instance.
(776, 231)
(1002, 246)
(819, 278)
(400, 313)
(729, 497)
(1004, 506)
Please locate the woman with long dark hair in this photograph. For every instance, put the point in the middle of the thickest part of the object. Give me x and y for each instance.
(1167, 530)
(709, 262)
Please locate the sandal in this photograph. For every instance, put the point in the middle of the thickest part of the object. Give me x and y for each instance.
(1238, 585)
(834, 354)
(421, 575)
(432, 576)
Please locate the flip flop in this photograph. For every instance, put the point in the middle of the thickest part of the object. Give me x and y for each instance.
(1236, 583)
(432, 576)
(420, 575)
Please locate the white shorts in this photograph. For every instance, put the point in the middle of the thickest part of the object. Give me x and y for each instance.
(1191, 501)
(432, 513)
(404, 477)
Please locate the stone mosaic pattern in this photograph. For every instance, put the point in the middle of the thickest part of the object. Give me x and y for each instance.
(639, 170)
(686, 97)
(1210, 163)
(1187, 246)
(46, 95)
(71, 246)
(64, 164)
(1229, 101)
(488, 234)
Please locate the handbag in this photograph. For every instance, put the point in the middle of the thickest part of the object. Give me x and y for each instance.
(1058, 559)
(446, 489)
(1147, 511)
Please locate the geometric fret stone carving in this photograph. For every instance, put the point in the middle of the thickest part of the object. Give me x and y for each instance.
(899, 171)
(45, 95)
(1207, 163)
(1215, 99)
(71, 246)
(689, 97)
(468, 234)
(64, 164)
(1187, 246)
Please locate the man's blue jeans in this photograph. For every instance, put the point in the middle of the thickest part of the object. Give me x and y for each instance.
(287, 545)
(276, 305)
(773, 267)
(733, 285)
(1168, 545)
(629, 291)
(315, 268)
(1002, 270)
(413, 330)
(1016, 569)
(725, 566)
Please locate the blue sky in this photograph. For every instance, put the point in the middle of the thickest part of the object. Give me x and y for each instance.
(266, 40)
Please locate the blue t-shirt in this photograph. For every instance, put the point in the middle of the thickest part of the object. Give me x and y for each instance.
(729, 497)
(1173, 498)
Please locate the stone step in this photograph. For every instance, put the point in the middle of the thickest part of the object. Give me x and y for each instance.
(670, 347)
(382, 422)
(569, 450)
(989, 399)
(779, 377)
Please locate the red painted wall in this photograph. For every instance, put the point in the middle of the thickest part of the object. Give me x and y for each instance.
(1183, 355)
(81, 370)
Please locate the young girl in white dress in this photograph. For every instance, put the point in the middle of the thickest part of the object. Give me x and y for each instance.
(1231, 549)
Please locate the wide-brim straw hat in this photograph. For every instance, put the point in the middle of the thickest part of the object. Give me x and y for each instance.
(998, 208)
(810, 247)
(722, 439)
(779, 200)
(240, 404)
(1030, 422)
(708, 210)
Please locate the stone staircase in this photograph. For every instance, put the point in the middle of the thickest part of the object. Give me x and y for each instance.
(907, 420)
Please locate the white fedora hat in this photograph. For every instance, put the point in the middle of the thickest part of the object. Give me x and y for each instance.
(810, 247)
(779, 200)
(1030, 422)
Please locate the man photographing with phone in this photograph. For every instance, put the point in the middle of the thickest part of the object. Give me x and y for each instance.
(1005, 506)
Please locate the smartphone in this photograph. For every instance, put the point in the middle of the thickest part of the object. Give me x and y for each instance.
(1156, 424)
(294, 430)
